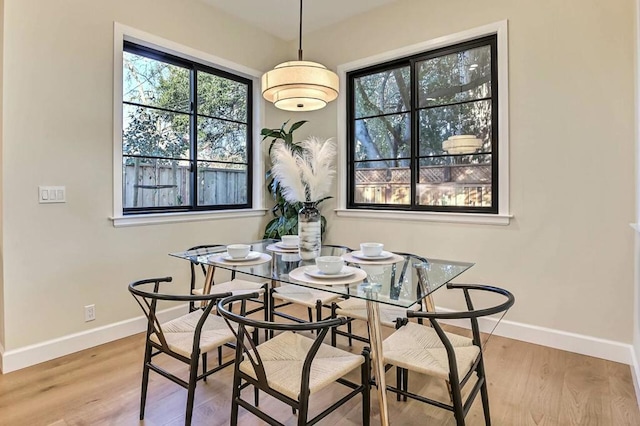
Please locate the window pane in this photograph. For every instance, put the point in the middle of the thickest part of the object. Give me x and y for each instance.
(453, 78)
(148, 182)
(150, 82)
(153, 133)
(220, 140)
(378, 183)
(455, 181)
(438, 123)
(382, 93)
(221, 184)
(222, 98)
(383, 137)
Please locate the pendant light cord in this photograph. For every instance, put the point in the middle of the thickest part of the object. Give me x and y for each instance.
(300, 44)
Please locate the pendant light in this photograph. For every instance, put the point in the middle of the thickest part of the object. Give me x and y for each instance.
(300, 85)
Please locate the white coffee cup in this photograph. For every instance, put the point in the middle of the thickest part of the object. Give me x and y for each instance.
(329, 265)
(238, 251)
(371, 249)
(290, 240)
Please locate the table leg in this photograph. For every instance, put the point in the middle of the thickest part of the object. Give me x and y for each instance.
(377, 361)
(208, 282)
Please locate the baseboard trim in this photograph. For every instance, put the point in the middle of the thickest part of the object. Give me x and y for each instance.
(27, 356)
(557, 339)
(1, 356)
(635, 375)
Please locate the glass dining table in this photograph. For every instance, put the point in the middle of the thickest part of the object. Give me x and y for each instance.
(391, 278)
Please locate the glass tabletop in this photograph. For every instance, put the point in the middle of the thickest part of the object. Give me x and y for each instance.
(392, 278)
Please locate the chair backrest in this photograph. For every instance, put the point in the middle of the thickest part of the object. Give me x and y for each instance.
(471, 314)
(246, 346)
(147, 293)
(196, 265)
(416, 262)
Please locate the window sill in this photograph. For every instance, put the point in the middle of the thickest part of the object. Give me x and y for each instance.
(161, 218)
(473, 218)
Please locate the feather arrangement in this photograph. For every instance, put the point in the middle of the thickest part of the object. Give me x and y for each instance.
(304, 175)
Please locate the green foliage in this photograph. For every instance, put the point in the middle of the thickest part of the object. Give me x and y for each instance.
(452, 91)
(165, 132)
(285, 221)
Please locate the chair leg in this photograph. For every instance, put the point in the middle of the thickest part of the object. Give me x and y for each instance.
(204, 364)
(318, 310)
(405, 382)
(304, 410)
(365, 374)
(458, 409)
(349, 332)
(265, 306)
(399, 382)
(191, 390)
(145, 380)
(334, 330)
(234, 399)
(484, 393)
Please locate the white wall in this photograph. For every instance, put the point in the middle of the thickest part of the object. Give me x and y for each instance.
(58, 83)
(568, 253)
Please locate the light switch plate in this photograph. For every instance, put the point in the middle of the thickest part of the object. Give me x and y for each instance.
(52, 194)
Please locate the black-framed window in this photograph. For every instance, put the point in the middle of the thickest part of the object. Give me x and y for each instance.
(422, 131)
(187, 135)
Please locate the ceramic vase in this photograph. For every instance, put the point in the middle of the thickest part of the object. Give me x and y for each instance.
(309, 231)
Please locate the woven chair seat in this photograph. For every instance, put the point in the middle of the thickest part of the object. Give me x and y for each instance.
(283, 357)
(357, 308)
(418, 348)
(179, 333)
(234, 286)
(303, 295)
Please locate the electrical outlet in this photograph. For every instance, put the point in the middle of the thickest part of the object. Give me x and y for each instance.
(89, 313)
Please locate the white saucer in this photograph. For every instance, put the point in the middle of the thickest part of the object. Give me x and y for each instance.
(286, 246)
(314, 272)
(383, 255)
(253, 255)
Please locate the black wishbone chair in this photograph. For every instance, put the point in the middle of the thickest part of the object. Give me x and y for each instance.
(184, 338)
(454, 358)
(291, 366)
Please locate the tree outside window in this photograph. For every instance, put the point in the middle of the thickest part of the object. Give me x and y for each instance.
(401, 113)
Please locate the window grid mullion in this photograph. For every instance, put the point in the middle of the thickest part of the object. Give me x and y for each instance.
(415, 133)
(193, 136)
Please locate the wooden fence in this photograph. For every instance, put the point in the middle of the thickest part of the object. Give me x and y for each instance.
(456, 185)
(169, 186)
(460, 185)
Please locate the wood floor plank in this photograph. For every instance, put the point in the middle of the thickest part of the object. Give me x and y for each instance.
(584, 398)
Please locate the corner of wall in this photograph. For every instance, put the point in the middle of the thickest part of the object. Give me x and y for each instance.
(2, 342)
(635, 372)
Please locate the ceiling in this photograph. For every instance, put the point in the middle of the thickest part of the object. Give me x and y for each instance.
(280, 17)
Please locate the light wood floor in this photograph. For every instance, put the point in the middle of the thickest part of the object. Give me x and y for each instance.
(528, 385)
